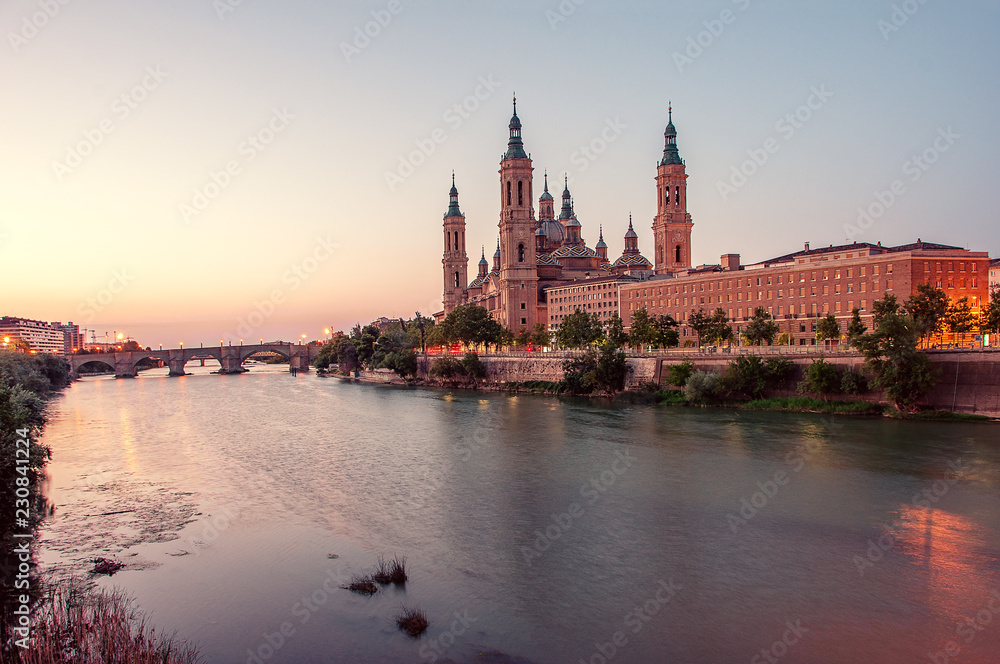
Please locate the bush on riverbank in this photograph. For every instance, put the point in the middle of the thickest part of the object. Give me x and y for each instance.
(75, 623)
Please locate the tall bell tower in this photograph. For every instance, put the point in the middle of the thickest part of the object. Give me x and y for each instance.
(455, 261)
(672, 224)
(518, 271)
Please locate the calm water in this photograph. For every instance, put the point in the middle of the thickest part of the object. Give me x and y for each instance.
(536, 529)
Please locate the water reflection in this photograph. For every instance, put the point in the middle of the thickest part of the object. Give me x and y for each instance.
(546, 520)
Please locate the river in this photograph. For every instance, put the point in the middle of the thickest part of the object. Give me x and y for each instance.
(536, 529)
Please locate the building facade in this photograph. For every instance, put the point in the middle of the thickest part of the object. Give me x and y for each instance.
(994, 273)
(543, 270)
(42, 337)
(537, 254)
(799, 288)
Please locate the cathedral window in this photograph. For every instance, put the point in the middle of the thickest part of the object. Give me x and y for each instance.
(456, 280)
(677, 195)
(520, 253)
(508, 193)
(520, 193)
(677, 254)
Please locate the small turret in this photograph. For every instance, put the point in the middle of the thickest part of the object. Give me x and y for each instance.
(496, 257)
(602, 247)
(484, 266)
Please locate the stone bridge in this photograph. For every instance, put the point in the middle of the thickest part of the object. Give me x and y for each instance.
(231, 358)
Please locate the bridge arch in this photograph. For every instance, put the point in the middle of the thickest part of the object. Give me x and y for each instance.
(110, 366)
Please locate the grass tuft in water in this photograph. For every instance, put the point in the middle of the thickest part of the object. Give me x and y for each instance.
(411, 621)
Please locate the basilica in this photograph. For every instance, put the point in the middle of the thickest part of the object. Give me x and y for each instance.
(547, 253)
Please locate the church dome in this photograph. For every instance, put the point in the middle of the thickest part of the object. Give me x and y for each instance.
(553, 231)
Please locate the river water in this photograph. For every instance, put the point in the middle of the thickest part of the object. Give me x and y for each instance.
(535, 529)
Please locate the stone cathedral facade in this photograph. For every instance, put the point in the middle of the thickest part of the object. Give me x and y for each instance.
(537, 253)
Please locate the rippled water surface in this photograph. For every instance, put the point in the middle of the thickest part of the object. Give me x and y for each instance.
(536, 529)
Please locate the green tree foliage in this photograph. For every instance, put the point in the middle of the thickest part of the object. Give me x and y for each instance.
(853, 382)
(989, 320)
(892, 358)
(719, 330)
(540, 336)
(615, 332)
(701, 323)
(779, 370)
(928, 307)
(603, 371)
(747, 375)
(473, 366)
(761, 328)
(856, 327)
(821, 378)
(364, 339)
(704, 387)
(471, 325)
(665, 333)
(828, 328)
(678, 374)
(523, 338)
(580, 329)
(960, 317)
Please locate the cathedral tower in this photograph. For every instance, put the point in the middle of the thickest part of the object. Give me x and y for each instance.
(518, 273)
(672, 224)
(455, 261)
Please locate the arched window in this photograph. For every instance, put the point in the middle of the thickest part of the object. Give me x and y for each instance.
(520, 193)
(677, 254)
(456, 241)
(447, 237)
(520, 253)
(456, 280)
(508, 193)
(677, 195)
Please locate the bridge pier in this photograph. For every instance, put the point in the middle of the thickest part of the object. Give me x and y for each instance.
(124, 367)
(176, 367)
(231, 364)
(299, 362)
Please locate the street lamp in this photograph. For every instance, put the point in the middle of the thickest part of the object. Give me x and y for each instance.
(161, 346)
(303, 339)
(182, 345)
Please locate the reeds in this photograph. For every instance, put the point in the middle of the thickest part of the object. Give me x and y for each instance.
(411, 621)
(75, 623)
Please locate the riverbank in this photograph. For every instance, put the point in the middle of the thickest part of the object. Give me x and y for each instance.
(45, 620)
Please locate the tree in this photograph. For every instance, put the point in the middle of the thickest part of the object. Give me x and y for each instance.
(602, 371)
(960, 317)
(364, 339)
(928, 307)
(665, 333)
(421, 325)
(989, 320)
(471, 325)
(473, 367)
(615, 330)
(828, 328)
(580, 329)
(747, 374)
(719, 331)
(679, 373)
(540, 336)
(892, 358)
(700, 322)
(523, 337)
(856, 328)
(642, 331)
(761, 328)
(821, 378)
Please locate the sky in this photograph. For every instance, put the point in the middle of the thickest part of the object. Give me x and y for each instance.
(220, 169)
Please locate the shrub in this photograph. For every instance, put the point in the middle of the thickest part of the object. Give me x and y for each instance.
(821, 378)
(779, 370)
(853, 382)
(703, 387)
(748, 375)
(447, 367)
(679, 373)
(473, 366)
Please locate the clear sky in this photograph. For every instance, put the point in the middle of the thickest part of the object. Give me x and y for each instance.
(118, 115)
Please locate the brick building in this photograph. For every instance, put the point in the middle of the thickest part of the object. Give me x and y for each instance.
(42, 337)
(798, 288)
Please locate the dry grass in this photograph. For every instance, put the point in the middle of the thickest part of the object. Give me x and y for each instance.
(390, 571)
(362, 585)
(77, 624)
(411, 621)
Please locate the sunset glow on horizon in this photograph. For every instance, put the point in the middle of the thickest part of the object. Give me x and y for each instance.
(183, 171)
